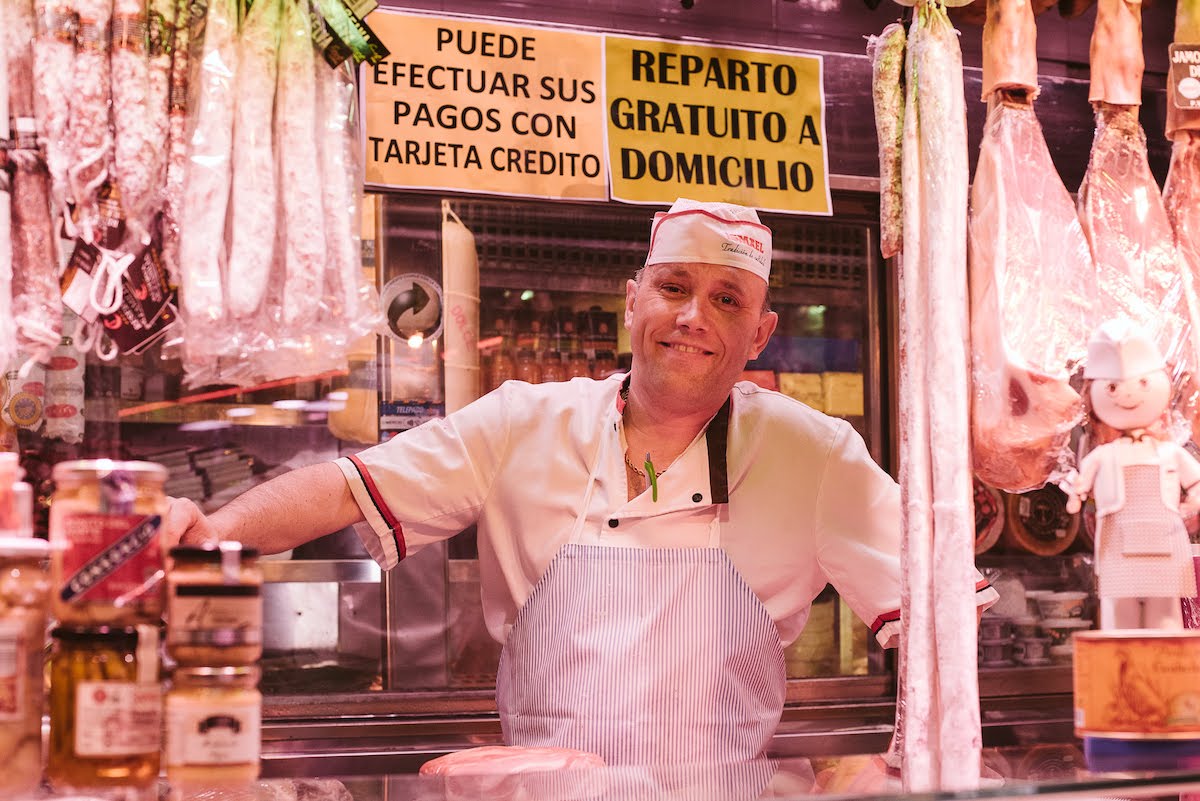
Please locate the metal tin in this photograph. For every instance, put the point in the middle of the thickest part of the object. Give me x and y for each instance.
(214, 605)
(214, 725)
(105, 707)
(107, 564)
(1137, 684)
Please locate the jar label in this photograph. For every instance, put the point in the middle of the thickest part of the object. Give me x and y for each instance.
(215, 615)
(13, 655)
(210, 730)
(117, 718)
(108, 557)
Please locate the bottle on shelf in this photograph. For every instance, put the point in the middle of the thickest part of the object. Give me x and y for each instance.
(553, 368)
(527, 367)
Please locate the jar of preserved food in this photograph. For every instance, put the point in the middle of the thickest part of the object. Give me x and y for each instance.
(214, 723)
(577, 365)
(528, 368)
(606, 364)
(214, 605)
(503, 369)
(553, 368)
(106, 563)
(105, 707)
(24, 600)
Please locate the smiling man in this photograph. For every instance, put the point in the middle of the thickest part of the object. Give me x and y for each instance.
(648, 543)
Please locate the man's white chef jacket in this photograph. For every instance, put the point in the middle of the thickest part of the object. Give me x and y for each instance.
(806, 503)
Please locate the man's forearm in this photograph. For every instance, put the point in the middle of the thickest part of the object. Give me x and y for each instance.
(289, 510)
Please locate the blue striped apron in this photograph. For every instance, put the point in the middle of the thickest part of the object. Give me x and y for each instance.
(642, 655)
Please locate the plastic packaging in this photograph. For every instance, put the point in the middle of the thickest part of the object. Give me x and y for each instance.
(1032, 300)
(276, 289)
(107, 562)
(214, 605)
(460, 282)
(1141, 275)
(89, 96)
(36, 303)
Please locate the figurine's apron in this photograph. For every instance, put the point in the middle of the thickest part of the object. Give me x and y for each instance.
(642, 655)
(1144, 550)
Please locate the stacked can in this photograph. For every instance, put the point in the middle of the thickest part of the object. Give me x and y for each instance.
(214, 635)
(106, 594)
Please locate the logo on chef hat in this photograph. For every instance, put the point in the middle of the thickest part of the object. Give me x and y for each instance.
(696, 232)
(1119, 349)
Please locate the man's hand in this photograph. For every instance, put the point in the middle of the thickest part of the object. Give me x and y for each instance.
(185, 524)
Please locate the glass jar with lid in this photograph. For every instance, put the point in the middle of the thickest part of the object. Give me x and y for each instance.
(214, 725)
(528, 368)
(553, 368)
(214, 605)
(24, 601)
(106, 563)
(577, 365)
(105, 707)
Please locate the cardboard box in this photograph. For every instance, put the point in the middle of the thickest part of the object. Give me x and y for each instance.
(843, 393)
(804, 387)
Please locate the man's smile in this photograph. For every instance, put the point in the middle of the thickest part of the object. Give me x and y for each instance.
(681, 348)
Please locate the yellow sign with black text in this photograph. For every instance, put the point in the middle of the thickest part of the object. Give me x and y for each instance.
(715, 123)
(480, 106)
(476, 105)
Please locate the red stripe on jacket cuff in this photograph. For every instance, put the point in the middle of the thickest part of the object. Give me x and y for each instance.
(889, 617)
(380, 505)
(885, 618)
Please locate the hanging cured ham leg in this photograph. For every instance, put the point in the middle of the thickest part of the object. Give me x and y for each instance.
(1029, 261)
(1122, 213)
(1181, 194)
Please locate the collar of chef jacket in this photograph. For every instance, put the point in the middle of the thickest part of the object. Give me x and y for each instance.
(686, 493)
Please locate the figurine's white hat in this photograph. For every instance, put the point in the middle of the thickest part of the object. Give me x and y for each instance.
(695, 232)
(1119, 350)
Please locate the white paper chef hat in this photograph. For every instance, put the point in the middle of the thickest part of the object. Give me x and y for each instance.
(1119, 350)
(695, 232)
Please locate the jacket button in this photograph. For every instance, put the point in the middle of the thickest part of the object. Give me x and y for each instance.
(613, 522)
(697, 497)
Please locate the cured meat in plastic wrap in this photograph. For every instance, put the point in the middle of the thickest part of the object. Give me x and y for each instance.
(254, 200)
(886, 52)
(90, 127)
(205, 198)
(506, 760)
(53, 72)
(351, 298)
(140, 89)
(36, 303)
(1130, 236)
(177, 140)
(297, 152)
(7, 329)
(942, 736)
(1181, 193)
(1032, 279)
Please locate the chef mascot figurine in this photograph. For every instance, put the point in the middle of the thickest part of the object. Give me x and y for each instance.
(1143, 558)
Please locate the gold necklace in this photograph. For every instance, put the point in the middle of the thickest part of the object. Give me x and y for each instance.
(639, 470)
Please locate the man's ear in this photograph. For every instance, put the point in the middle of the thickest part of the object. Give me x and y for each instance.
(766, 327)
(630, 296)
